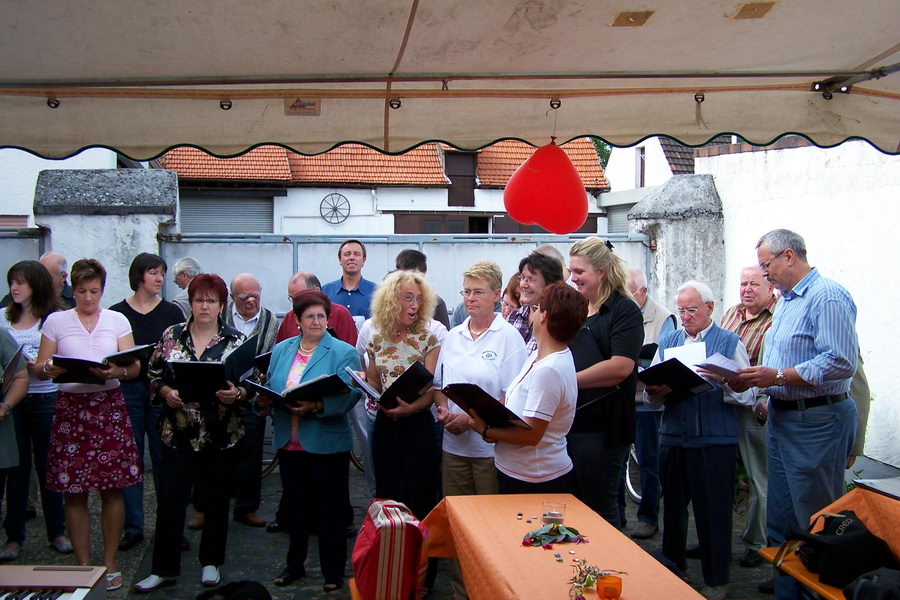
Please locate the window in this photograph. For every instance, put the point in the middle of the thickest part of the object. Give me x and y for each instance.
(440, 223)
(460, 170)
(617, 218)
(639, 170)
(245, 213)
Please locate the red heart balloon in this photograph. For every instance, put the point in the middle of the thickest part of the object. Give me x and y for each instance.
(547, 191)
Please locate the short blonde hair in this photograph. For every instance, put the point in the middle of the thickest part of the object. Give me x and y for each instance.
(600, 256)
(386, 302)
(487, 271)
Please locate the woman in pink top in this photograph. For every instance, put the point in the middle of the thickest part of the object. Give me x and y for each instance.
(91, 442)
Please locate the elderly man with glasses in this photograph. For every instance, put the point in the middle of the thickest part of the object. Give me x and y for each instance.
(698, 440)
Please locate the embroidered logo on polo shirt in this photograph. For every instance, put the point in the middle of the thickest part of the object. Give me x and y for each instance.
(489, 355)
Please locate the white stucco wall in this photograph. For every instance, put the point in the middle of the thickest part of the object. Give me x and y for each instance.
(844, 202)
(19, 172)
(113, 240)
(621, 170)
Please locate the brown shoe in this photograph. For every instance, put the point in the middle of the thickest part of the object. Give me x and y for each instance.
(197, 521)
(251, 520)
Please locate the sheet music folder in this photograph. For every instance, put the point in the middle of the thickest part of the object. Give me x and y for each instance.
(315, 389)
(198, 381)
(78, 370)
(470, 396)
(412, 383)
(678, 376)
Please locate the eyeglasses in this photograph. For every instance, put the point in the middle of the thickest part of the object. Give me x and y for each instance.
(690, 310)
(410, 299)
(205, 300)
(535, 307)
(315, 317)
(530, 280)
(477, 293)
(245, 297)
(765, 266)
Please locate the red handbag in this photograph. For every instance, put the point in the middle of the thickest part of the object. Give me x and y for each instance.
(387, 562)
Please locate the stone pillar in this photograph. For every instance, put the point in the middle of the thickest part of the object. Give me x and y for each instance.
(108, 214)
(683, 218)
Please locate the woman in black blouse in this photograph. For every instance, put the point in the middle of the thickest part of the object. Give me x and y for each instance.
(197, 439)
(606, 353)
(149, 316)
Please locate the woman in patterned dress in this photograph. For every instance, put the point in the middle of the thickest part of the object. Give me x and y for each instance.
(91, 442)
(198, 440)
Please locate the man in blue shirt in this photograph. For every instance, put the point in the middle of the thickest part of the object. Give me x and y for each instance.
(810, 356)
(352, 290)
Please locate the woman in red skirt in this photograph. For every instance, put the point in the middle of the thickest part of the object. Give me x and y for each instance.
(91, 442)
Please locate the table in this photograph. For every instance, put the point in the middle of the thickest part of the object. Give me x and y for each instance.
(793, 567)
(485, 535)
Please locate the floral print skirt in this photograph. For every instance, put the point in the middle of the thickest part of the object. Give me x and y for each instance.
(91, 444)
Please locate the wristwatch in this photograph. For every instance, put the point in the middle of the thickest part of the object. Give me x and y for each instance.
(779, 377)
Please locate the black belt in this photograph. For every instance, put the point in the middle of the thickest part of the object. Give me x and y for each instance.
(805, 403)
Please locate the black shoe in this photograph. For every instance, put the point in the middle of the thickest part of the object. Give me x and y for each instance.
(275, 527)
(130, 539)
(287, 577)
(767, 586)
(750, 559)
(333, 585)
(692, 551)
(30, 513)
(185, 545)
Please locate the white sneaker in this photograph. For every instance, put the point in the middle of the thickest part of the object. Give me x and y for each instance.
(210, 576)
(152, 582)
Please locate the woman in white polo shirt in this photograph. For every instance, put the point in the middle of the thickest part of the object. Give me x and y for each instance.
(543, 394)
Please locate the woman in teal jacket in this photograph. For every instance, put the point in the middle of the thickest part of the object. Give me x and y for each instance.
(314, 441)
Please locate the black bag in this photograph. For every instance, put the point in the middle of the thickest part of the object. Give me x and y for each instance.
(841, 552)
(882, 584)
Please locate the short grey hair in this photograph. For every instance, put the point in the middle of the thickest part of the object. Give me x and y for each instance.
(552, 252)
(188, 266)
(706, 293)
(312, 282)
(779, 240)
(638, 278)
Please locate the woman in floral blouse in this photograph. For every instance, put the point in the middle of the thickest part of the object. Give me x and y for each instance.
(197, 440)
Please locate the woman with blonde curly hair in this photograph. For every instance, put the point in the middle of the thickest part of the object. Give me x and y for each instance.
(606, 352)
(405, 452)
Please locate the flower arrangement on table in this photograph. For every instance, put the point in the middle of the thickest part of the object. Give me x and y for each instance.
(586, 576)
(553, 533)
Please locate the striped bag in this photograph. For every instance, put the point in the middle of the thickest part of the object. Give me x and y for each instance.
(387, 563)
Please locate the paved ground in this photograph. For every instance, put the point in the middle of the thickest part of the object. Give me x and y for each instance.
(255, 554)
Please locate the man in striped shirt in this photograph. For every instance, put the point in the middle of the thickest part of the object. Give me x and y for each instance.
(809, 358)
(750, 319)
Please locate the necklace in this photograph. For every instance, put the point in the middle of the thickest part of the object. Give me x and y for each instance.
(306, 352)
(88, 322)
(474, 333)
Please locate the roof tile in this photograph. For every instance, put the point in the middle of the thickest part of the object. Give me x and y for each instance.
(497, 163)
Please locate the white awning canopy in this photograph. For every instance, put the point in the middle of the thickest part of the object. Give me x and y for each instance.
(144, 76)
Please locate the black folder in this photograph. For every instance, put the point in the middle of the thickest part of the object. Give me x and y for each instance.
(78, 370)
(411, 384)
(470, 396)
(314, 389)
(198, 381)
(678, 376)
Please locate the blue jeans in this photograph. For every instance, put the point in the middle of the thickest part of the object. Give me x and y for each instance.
(646, 446)
(144, 418)
(808, 451)
(598, 470)
(33, 417)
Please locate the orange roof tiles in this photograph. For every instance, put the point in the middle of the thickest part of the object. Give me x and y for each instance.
(357, 164)
(498, 162)
(354, 163)
(265, 163)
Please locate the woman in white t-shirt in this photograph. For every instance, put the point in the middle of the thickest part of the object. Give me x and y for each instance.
(543, 395)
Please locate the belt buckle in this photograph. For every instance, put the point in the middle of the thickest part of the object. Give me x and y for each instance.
(801, 404)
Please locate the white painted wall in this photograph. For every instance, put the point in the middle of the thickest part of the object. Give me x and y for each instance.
(19, 172)
(621, 170)
(113, 240)
(844, 202)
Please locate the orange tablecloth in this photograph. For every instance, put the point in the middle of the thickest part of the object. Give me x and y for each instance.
(484, 534)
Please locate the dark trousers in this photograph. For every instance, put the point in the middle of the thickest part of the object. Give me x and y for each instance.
(598, 470)
(213, 471)
(316, 493)
(144, 418)
(564, 484)
(33, 417)
(703, 477)
(407, 461)
(249, 464)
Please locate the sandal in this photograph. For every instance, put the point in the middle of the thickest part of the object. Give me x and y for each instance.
(10, 552)
(114, 581)
(287, 577)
